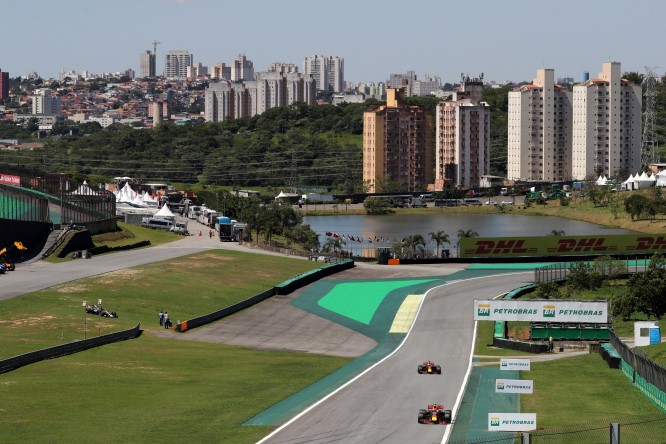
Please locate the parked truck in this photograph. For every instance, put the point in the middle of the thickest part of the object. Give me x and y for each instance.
(225, 228)
(316, 198)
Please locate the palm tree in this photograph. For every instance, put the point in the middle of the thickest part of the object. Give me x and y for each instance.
(556, 233)
(439, 237)
(333, 244)
(467, 233)
(414, 242)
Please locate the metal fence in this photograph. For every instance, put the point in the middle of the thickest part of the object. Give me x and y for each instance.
(18, 204)
(616, 267)
(649, 371)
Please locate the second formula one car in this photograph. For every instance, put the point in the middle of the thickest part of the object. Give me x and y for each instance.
(435, 414)
(429, 367)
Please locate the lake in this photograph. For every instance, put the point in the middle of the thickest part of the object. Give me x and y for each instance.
(364, 234)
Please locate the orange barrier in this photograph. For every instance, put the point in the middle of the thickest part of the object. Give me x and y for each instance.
(394, 261)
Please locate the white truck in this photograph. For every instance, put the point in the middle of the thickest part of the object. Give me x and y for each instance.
(316, 198)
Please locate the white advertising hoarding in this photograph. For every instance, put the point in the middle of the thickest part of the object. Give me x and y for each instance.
(514, 386)
(511, 422)
(541, 311)
(514, 364)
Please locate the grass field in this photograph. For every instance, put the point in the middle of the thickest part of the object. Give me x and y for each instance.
(150, 388)
(582, 393)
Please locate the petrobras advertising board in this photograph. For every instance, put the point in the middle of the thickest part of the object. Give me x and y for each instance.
(511, 422)
(515, 364)
(541, 311)
(514, 386)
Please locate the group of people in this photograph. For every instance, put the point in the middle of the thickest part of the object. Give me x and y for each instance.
(165, 320)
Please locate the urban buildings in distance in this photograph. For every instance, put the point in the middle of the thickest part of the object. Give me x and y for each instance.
(555, 134)
(397, 145)
(4, 84)
(462, 141)
(147, 64)
(328, 72)
(176, 64)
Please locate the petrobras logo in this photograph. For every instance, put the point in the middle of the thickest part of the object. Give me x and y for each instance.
(548, 311)
(483, 310)
(500, 385)
(504, 363)
(494, 421)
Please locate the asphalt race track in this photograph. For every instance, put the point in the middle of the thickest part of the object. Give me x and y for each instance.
(381, 405)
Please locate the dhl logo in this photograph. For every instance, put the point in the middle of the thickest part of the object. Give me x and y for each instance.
(594, 244)
(647, 243)
(508, 246)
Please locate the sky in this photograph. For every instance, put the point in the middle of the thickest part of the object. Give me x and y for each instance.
(503, 39)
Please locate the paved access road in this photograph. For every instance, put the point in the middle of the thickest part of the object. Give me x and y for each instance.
(381, 405)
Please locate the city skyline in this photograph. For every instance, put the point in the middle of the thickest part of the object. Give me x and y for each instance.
(504, 40)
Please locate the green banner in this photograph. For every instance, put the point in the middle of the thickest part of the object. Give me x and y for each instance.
(562, 245)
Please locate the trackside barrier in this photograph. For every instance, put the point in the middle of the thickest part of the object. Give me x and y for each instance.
(10, 364)
(511, 344)
(649, 377)
(610, 355)
(286, 287)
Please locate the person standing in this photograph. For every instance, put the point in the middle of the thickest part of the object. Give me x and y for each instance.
(161, 318)
(166, 320)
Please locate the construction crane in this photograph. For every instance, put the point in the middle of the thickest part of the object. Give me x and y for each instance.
(155, 43)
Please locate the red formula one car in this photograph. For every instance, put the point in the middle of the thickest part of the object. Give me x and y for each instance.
(429, 367)
(434, 414)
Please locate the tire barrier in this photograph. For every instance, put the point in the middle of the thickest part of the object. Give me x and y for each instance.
(530, 347)
(10, 364)
(284, 288)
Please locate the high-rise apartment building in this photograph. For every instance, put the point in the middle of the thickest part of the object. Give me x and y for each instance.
(242, 69)
(4, 85)
(606, 124)
(328, 72)
(227, 101)
(45, 103)
(147, 64)
(197, 70)
(220, 71)
(176, 63)
(462, 143)
(283, 68)
(397, 145)
(539, 130)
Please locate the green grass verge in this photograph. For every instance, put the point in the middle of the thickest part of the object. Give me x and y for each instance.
(186, 287)
(151, 387)
(582, 392)
(484, 342)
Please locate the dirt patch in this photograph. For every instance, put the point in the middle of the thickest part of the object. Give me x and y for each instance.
(77, 288)
(29, 321)
(198, 261)
(110, 278)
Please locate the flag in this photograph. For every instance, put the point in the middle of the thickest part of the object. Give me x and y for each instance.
(328, 233)
(369, 239)
(358, 239)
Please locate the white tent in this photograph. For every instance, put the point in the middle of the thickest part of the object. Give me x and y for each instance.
(126, 194)
(284, 195)
(165, 213)
(148, 199)
(84, 189)
(629, 184)
(661, 178)
(139, 202)
(602, 180)
(643, 181)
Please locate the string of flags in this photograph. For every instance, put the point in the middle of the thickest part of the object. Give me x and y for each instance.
(352, 238)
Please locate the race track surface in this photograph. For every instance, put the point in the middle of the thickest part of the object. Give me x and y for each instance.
(381, 406)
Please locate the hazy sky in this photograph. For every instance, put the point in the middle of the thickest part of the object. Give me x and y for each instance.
(504, 39)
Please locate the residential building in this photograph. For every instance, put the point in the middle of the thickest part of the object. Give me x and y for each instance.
(176, 63)
(462, 142)
(197, 70)
(426, 87)
(402, 81)
(221, 71)
(606, 124)
(4, 84)
(328, 72)
(147, 64)
(46, 103)
(540, 130)
(397, 145)
(242, 69)
(283, 68)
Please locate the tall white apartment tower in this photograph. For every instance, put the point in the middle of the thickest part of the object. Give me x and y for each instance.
(176, 63)
(539, 133)
(328, 72)
(242, 69)
(462, 144)
(606, 124)
(147, 64)
(44, 102)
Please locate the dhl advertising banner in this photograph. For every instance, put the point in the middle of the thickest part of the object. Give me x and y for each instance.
(562, 245)
(10, 180)
(541, 311)
(511, 422)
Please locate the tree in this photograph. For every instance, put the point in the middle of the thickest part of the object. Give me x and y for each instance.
(556, 233)
(378, 205)
(334, 245)
(648, 288)
(413, 243)
(636, 205)
(439, 237)
(467, 233)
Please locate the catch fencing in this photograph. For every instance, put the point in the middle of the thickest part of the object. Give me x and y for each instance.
(614, 268)
(15, 362)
